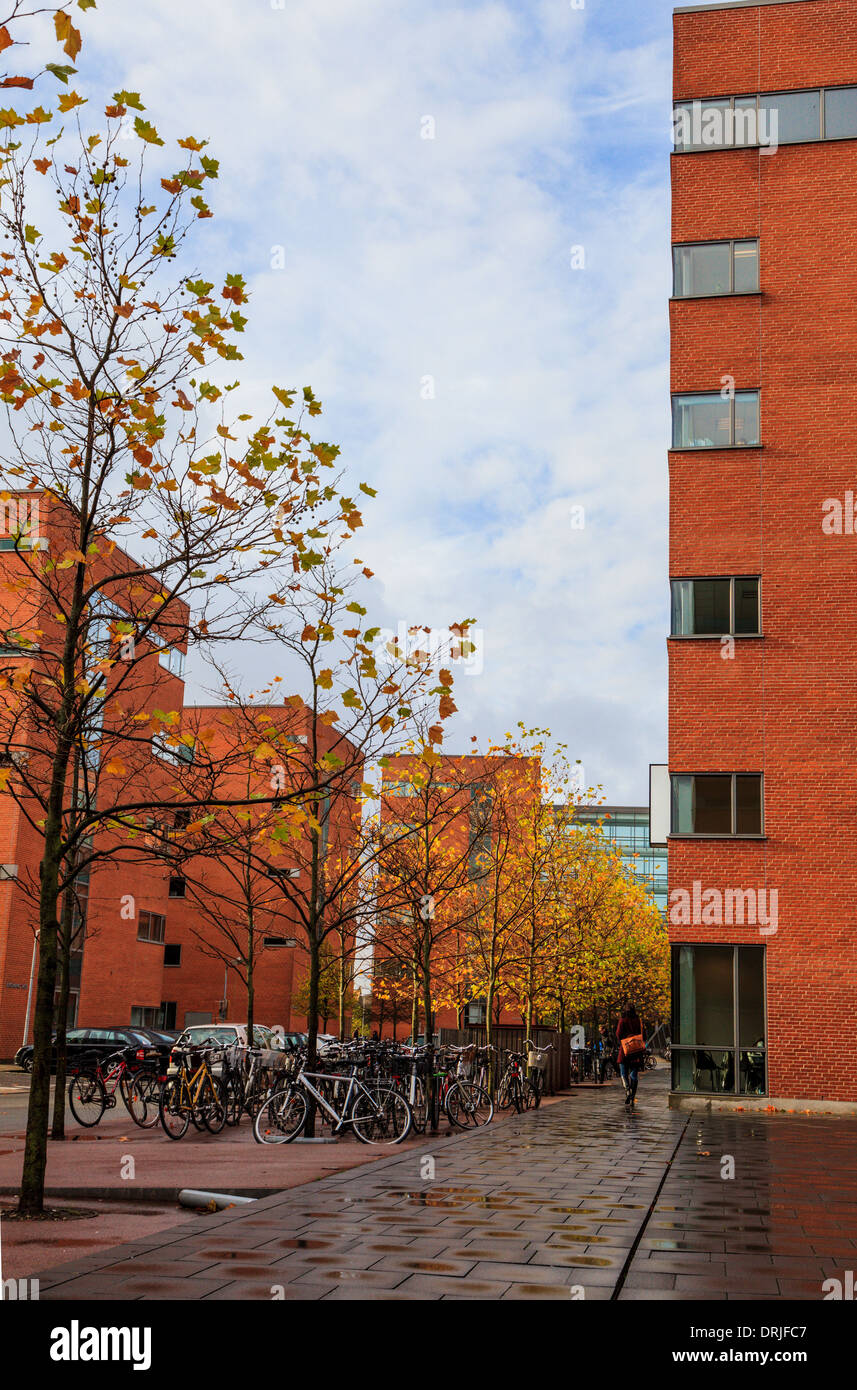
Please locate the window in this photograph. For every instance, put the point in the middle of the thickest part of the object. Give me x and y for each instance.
(706, 420)
(791, 116)
(144, 1017)
(177, 886)
(171, 752)
(474, 1014)
(771, 118)
(717, 803)
(840, 113)
(714, 607)
(172, 954)
(280, 941)
(719, 1017)
(168, 1015)
(715, 267)
(151, 926)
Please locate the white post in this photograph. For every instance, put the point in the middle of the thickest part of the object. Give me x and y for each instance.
(30, 991)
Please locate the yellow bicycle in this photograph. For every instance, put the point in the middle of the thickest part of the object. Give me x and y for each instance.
(192, 1094)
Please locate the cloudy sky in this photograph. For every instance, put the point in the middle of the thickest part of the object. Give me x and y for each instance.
(453, 218)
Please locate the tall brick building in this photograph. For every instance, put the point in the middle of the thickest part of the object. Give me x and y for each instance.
(763, 550)
(152, 952)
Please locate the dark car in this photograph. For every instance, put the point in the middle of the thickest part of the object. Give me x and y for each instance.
(89, 1043)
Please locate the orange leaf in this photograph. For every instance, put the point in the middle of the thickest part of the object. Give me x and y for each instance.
(25, 82)
(6, 39)
(68, 36)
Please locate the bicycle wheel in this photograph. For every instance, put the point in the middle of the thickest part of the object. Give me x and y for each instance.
(419, 1105)
(173, 1112)
(87, 1098)
(381, 1117)
(213, 1103)
(506, 1093)
(468, 1104)
(528, 1096)
(234, 1101)
(140, 1093)
(281, 1117)
(536, 1087)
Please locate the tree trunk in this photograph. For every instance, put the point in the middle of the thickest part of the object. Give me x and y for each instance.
(251, 978)
(32, 1199)
(62, 989)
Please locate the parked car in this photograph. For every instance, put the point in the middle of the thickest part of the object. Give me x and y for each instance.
(101, 1042)
(223, 1035)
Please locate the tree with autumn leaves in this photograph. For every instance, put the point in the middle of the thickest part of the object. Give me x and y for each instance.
(152, 516)
(540, 918)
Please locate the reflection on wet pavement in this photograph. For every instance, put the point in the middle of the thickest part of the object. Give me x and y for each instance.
(579, 1199)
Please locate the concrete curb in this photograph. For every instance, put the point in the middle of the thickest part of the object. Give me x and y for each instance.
(133, 1194)
(764, 1105)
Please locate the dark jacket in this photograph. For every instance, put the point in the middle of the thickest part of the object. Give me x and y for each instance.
(629, 1028)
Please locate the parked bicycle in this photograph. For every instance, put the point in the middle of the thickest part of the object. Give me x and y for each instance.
(465, 1103)
(515, 1090)
(194, 1093)
(94, 1086)
(376, 1112)
(537, 1062)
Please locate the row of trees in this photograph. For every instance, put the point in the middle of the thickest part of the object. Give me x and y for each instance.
(499, 894)
(152, 516)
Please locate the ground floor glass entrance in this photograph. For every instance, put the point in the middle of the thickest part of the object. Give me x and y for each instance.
(719, 1039)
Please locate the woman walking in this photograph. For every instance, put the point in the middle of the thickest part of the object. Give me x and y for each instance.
(629, 1033)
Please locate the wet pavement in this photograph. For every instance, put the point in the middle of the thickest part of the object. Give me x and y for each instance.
(577, 1200)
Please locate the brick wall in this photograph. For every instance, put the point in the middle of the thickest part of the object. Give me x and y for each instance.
(787, 704)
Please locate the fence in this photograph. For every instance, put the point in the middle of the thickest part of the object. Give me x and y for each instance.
(512, 1039)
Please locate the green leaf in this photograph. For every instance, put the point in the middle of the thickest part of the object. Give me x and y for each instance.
(86, 4)
(131, 99)
(146, 131)
(61, 71)
(210, 166)
(31, 234)
(370, 491)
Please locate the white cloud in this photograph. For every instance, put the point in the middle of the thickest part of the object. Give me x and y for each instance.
(407, 257)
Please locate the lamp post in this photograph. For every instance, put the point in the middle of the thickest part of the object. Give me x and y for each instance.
(30, 991)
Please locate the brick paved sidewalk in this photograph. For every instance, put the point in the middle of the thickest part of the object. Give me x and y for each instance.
(577, 1196)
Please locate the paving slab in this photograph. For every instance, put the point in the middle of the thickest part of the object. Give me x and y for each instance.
(577, 1197)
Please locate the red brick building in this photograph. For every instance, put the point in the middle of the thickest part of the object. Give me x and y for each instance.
(763, 550)
(146, 953)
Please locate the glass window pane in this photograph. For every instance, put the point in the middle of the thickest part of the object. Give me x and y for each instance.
(752, 1073)
(745, 125)
(702, 125)
(703, 995)
(747, 605)
(749, 805)
(712, 805)
(751, 996)
(712, 124)
(702, 269)
(682, 607)
(701, 422)
(790, 116)
(682, 805)
(746, 255)
(746, 417)
(711, 606)
(840, 112)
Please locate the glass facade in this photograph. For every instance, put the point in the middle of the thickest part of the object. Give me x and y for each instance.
(627, 829)
(718, 1033)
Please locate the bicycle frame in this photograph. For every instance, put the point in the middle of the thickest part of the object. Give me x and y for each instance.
(355, 1087)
